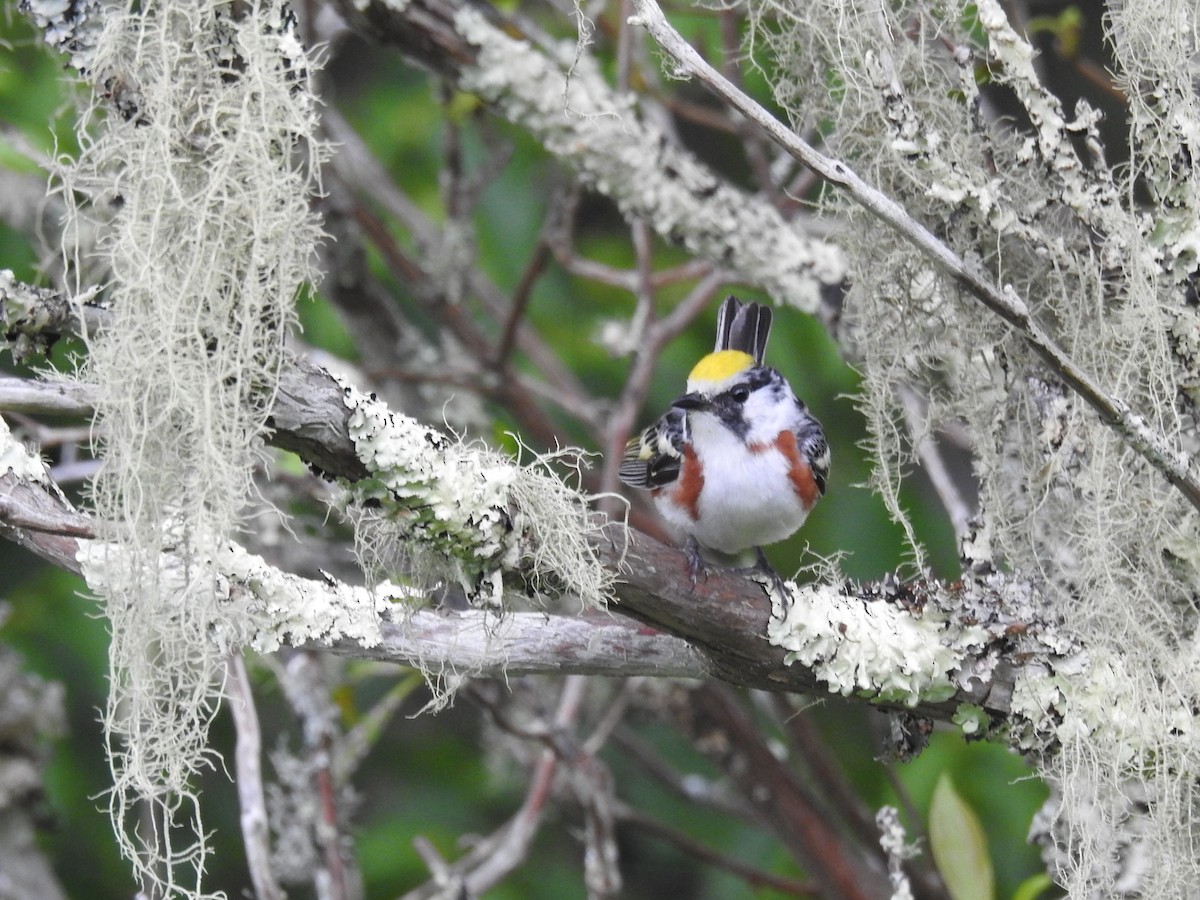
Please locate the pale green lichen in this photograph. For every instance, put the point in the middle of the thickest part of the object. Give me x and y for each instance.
(973, 720)
(267, 607)
(439, 509)
(599, 133)
(16, 458)
(1037, 701)
(871, 648)
(1096, 697)
(293, 611)
(445, 499)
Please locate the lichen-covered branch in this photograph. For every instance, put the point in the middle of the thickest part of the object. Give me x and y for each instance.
(464, 512)
(32, 718)
(561, 98)
(974, 652)
(31, 318)
(1175, 465)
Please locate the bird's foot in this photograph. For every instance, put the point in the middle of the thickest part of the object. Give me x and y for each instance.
(697, 568)
(766, 572)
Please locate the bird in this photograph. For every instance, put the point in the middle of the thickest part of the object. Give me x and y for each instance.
(738, 461)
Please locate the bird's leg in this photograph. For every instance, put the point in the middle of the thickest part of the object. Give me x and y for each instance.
(762, 567)
(696, 565)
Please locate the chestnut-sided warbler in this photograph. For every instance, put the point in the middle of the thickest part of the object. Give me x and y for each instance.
(738, 461)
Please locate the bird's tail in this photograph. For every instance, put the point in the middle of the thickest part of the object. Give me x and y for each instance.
(743, 326)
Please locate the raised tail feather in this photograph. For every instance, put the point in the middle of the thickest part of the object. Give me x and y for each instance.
(743, 326)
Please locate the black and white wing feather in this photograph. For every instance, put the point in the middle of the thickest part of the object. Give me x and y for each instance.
(653, 458)
(814, 446)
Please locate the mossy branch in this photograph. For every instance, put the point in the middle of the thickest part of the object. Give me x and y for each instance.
(1174, 465)
(971, 652)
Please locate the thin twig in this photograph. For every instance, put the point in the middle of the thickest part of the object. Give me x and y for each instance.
(448, 881)
(756, 878)
(252, 798)
(637, 385)
(520, 301)
(1004, 302)
(649, 347)
(957, 507)
(625, 279)
(492, 859)
(625, 39)
(752, 144)
(612, 717)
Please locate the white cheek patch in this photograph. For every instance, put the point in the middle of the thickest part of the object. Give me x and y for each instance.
(769, 412)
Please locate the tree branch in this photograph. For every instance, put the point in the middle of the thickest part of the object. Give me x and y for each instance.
(1004, 302)
(775, 791)
(486, 644)
(928, 648)
(596, 132)
(256, 836)
(973, 651)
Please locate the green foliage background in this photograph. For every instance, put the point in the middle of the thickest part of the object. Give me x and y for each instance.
(429, 775)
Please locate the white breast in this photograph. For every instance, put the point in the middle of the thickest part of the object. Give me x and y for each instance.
(747, 499)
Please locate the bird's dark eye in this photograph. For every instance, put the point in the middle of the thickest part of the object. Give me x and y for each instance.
(741, 393)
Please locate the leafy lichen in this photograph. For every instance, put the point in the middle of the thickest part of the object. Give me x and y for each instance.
(433, 508)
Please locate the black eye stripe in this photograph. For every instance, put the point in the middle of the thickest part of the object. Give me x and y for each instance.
(756, 379)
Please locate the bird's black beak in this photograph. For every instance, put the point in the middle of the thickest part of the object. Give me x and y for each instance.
(692, 401)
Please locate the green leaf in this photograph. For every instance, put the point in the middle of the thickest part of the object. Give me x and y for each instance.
(1033, 887)
(959, 845)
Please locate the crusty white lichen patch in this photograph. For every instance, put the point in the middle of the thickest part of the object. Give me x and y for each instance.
(293, 611)
(267, 607)
(979, 639)
(450, 495)
(871, 648)
(71, 27)
(15, 457)
(466, 513)
(572, 111)
(1096, 698)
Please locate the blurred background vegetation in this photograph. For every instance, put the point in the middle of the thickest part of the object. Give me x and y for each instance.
(438, 775)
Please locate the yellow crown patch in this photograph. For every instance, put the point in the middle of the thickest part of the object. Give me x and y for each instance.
(720, 365)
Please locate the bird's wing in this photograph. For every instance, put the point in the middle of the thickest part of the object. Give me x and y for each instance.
(652, 459)
(814, 447)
